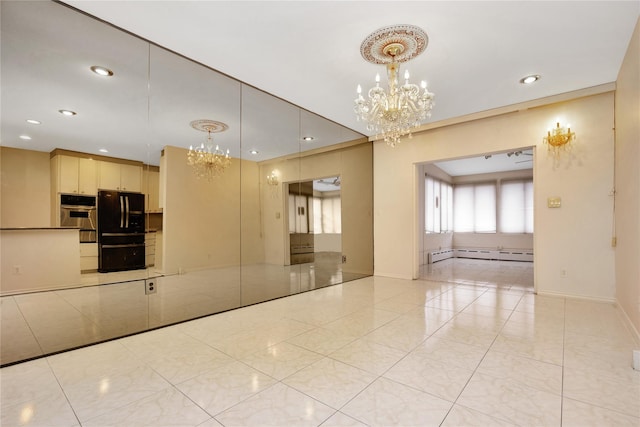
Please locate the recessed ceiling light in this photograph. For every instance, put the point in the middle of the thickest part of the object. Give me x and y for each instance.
(307, 138)
(68, 113)
(527, 80)
(253, 152)
(103, 150)
(25, 137)
(101, 71)
(33, 122)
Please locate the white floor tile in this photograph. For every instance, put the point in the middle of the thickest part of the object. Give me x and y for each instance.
(387, 403)
(165, 408)
(279, 405)
(331, 382)
(222, 388)
(450, 353)
(511, 401)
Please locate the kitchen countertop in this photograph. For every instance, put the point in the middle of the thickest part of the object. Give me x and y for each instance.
(38, 228)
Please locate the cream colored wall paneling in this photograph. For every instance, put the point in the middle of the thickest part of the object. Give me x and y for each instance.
(627, 184)
(25, 200)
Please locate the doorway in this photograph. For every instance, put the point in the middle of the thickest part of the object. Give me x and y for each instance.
(475, 219)
(314, 210)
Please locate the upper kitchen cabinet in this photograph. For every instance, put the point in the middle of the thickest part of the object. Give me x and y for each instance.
(151, 187)
(70, 174)
(120, 176)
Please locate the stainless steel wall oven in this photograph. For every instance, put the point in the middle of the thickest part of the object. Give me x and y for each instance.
(79, 212)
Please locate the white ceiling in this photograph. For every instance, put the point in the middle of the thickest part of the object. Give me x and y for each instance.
(308, 53)
(493, 162)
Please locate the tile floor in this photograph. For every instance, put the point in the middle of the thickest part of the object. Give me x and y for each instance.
(112, 305)
(374, 351)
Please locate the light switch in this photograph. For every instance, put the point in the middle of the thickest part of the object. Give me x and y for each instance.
(554, 202)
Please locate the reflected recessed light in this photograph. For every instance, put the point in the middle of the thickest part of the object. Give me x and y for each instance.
(253, 152)
(103, 150)
(68, 113)
(101, 71)
(530, 79)
(25, 137)
(33, 122)
(307, 138)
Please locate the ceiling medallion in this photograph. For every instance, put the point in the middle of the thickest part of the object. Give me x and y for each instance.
(393, 113)
(397, 42)
(206, 161)
(209, 126)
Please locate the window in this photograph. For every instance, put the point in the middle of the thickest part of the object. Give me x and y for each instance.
(516, 206)
(438, 206)
(327, 217)
(475, 208)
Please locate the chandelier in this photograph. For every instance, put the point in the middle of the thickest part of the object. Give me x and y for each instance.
(558, 139)
(393, 113)
(208, 162)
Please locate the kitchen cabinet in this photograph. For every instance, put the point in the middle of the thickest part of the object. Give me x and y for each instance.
(151, 187)
(150, 248)
(74, 175)
(120, 176)
(88, 257)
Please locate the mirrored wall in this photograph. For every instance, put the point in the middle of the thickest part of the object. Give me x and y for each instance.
(110, 223)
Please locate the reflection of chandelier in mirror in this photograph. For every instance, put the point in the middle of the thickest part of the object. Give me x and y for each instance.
(558, 138)
(394, 113)
(272, 179)
(206, 161)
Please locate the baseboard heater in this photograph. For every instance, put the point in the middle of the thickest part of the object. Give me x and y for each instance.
(515, 255)
(476, 253)
(440, 255)
(489, 254)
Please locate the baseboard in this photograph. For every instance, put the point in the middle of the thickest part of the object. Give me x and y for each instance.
(391, 275)
(629, 324)
(580, 297)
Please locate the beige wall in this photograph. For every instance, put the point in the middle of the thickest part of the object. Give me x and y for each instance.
(575, 238)
(627, 116)
(354, 165)
(25, 199)
(202, 220)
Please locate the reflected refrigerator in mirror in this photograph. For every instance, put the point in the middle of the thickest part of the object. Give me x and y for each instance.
(120, 231)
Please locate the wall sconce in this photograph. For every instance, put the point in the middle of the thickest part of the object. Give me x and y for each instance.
(272, 179)
(558, 138)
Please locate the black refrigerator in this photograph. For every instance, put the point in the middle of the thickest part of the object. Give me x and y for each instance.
(120, 231)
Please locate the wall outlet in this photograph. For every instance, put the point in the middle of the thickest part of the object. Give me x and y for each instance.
(563, 273)
(344, 259)
(17, 269)
(150, 287)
